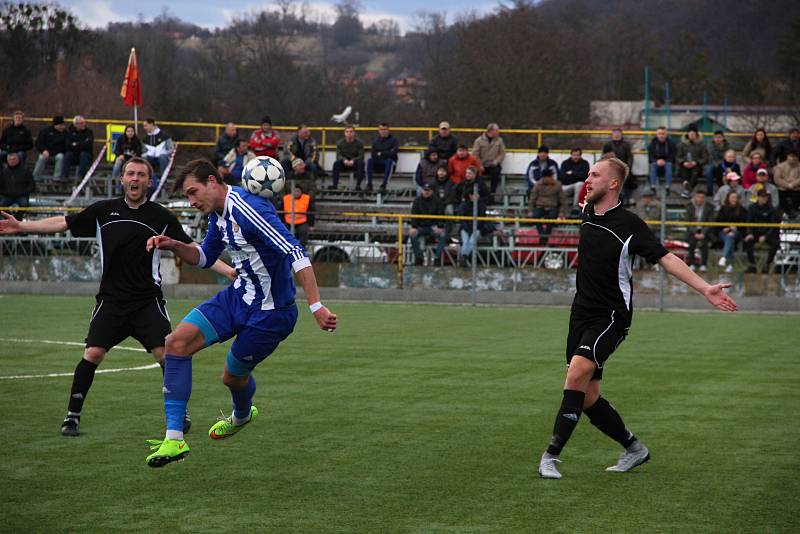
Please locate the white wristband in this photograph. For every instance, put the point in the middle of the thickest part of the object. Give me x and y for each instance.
(314, 307)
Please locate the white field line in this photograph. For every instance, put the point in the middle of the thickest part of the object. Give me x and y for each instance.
(76, 344)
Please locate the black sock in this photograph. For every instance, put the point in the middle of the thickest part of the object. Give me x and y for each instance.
(81, 382)
(566, 420)
(608, 421)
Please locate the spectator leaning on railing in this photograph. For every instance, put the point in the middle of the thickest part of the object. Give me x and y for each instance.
(51, 143)
(490, 151)
(427, 203)
(574, 171)
(661, 155)
(16, 182)
(732, 185)
(698, 210)
(761, 211)
(790, 144)
(731, 211)
(349, 157)
(787, 179)
(692, 159)
(16, 138)
(546, 201)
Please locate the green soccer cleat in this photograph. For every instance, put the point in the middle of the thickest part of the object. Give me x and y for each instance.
(168, 450)
(224, 428)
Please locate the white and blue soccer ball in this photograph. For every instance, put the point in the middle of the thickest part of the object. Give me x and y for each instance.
(263, 176)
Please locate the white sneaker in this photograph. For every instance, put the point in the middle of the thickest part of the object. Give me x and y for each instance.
(729, 269)
(636, 454)
(547, 466)
(703, 268)
(723, 261)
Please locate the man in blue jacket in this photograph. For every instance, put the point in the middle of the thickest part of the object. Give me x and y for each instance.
(384, 156)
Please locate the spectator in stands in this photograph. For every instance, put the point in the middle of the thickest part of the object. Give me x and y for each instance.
(426, 169)
(728, 164)
(467, 185)
(490, 150)
(385, 149)
(462, 160)
(700, 211)
(541, 163)
(303, 147)
(546, 201)
(731, 211)
(303, 176)
(16, 138)
(16, 182)
(265, 141)
(787, 178)
(790, 144)
(427, 203)
(648, 209)
(692, 159)
(444, 143)
(574, 171)
(620, 147)
(51, 144)
(750, 169)
(469, 238)
(733, 184)
(301, 210)
(127, 146)
(760, 144)
(235, 160)
(447, 192)
(349, 157)
(716, 155)
(761, 211)
(158, 147)
(661, 155)
(762, 182)
(226, 142)
(80, 147)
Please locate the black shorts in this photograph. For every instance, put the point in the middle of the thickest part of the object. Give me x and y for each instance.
(112, 322)
(595, 336)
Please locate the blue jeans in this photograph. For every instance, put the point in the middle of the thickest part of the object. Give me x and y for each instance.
(667, 174)
(385, 165)
(468, 242)
(544, 213)
(84, 161)
(729, 243)
(710, 179)
(422, 233)
(159, 163)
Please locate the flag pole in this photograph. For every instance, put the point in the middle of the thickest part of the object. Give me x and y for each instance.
(136, 119)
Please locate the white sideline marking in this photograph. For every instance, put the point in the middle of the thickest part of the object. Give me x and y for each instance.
(73, 343)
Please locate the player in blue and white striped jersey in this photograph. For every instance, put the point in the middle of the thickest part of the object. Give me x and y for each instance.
(258, 308)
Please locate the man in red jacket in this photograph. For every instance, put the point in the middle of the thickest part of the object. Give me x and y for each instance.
(265, 142)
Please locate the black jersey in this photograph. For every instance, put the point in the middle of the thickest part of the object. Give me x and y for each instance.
(130, 273)
(606, 250)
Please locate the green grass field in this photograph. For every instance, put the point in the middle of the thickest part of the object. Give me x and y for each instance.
(411, 419)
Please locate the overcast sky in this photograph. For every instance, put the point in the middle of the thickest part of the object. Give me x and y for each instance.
(211, 14)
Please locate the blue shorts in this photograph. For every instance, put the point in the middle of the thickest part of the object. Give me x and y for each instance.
(258, 332)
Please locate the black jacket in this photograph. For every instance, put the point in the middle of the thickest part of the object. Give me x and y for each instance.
(762, 214)
(52, 140)
(224, 145)
(657, 150)
(128, 147)
(385, 147)
(80, 140)
(781, 151)
(579, 171)
(622, 149)
(426, 206)
(465, 210)
(464, 188)
(447, 192)
(16, 139)
(16, 181)
(445, 146)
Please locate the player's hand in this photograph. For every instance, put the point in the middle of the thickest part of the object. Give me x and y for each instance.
(325, 319)
(161, 242)
(9, 225)
(719, 299)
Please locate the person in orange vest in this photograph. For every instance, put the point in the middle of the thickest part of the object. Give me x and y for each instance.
(303, 214)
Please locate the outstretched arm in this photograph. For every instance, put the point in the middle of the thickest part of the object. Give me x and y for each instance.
(51, 225)
(715, 294)
(325, 319)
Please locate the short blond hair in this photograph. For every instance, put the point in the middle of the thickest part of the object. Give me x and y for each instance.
(619, 169)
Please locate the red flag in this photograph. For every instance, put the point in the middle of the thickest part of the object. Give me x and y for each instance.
(131, 91)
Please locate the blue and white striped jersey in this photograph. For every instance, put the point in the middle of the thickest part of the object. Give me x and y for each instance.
(263, 251)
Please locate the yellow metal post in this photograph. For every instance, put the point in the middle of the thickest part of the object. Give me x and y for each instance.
(324, 144)
(400, 252)
(539, 139)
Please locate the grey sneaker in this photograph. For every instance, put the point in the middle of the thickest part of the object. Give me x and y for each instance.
(70, 427)
(547, 466)
(635, 455)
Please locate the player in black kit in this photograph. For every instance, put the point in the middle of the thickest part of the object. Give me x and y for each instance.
(129, 302)
(610, 236)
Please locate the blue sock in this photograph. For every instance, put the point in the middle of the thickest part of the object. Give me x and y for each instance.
(243, 399)
(177, 389)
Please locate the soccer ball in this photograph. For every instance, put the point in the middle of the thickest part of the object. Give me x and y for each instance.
(263, 176)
